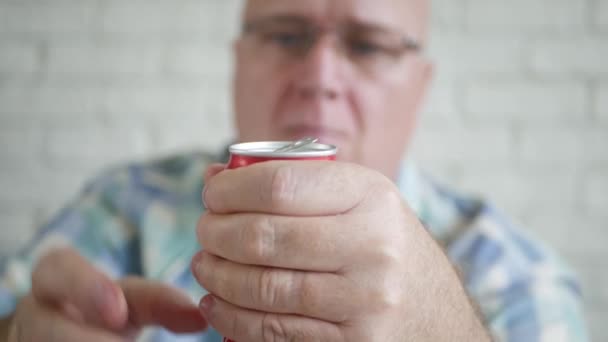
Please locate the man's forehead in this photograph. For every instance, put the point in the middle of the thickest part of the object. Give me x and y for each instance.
(410, 16)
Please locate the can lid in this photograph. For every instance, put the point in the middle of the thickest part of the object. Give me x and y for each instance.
(268, 148)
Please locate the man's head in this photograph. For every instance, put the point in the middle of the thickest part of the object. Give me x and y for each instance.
(346, 71)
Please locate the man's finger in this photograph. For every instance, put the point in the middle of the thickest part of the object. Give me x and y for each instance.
(63, 279)
(42, 323)
(322, 244)
(280, 290)
(297, 188)
(247, 325)
(158, 304)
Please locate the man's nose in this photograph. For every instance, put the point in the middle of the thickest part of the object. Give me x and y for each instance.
(319, 75)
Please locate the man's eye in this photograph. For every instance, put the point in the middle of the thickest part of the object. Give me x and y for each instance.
(287, 40)
(364, 48)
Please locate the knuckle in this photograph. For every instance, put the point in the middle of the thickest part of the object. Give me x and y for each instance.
(307, 294)
(259, 239)
(383, 196)
(389, 299)
(387, 196)
(268, 287)
(387, 255)
(386, 296)
(273, 328)
(282, 186)
(238, 326)
(276, 328)
(220, 281)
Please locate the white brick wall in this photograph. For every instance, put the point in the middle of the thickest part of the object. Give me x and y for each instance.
(519, 109)
(526, 101)
(539, 17)
(574, 57)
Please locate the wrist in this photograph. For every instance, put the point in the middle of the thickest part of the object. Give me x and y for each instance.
(450, 314)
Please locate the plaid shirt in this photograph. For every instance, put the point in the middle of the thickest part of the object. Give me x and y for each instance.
(140, 218)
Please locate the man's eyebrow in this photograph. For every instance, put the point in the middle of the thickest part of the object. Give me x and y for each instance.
(362, 26)
(275, 19)
(372, 27)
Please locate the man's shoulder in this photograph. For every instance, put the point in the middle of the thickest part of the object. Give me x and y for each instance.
(492, 249)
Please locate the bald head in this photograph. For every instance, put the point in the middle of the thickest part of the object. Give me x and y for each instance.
(408, 16)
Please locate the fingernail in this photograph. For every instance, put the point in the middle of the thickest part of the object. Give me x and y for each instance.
(207, 304)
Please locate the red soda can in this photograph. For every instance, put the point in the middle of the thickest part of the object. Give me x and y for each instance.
(248, 153)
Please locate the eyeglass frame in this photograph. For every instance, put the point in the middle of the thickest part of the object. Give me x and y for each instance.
(408, 43)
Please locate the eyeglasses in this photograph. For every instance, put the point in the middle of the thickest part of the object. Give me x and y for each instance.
(285, 40)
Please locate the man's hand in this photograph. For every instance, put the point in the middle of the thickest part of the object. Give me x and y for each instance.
(323, 251)
(72, 301)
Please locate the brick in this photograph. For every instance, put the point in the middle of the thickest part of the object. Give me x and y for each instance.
(41, 100)
(595, 284)
(600, 15)
(20, 144)
(596, 193)
(170, 17)
(167, 100)
(577, 57)
(526, 101)
(191, 132)
(470, 56)
(47, 18)
(19, 57)
(103, 59)
(211, 61)
(466, 143)
(521, 190)
(526, 16)
(601, 103)
(441, 105)
(447, 15)
(94, 142)
(563, 145)
(16, 228)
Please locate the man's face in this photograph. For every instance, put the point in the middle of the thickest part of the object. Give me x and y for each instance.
(345, 71)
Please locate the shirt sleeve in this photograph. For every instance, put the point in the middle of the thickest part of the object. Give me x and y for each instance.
(524, 291)
(92, 224)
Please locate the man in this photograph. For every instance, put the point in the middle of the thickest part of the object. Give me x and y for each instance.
(302, 251)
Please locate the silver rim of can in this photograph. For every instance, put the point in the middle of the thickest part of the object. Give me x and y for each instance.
(267, 149)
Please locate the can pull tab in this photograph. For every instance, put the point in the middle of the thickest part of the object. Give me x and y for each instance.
(297, 144)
